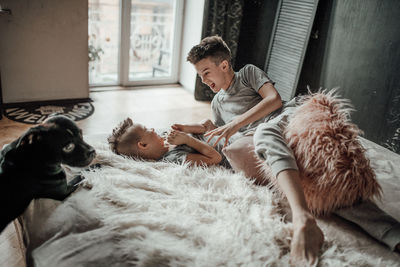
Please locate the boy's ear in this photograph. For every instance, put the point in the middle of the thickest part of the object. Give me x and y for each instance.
(225, 65)
(142, 146)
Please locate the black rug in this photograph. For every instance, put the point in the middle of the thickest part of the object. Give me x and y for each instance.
(37, 113)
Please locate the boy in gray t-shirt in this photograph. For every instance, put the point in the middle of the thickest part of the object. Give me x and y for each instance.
(242, 95)
(247, 101)
(135, 140)
(244, 102)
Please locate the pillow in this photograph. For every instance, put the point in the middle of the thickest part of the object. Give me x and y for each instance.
(334, 170)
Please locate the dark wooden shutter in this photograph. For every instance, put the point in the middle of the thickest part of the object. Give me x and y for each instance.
(292, 29)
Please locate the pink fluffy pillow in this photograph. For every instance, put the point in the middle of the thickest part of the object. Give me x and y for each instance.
(333, 167)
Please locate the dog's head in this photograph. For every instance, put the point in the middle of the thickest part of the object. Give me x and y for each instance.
(57, 140)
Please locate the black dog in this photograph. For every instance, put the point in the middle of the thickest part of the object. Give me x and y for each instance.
(30, 167)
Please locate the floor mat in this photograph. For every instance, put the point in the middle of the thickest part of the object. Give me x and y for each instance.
(37, 113)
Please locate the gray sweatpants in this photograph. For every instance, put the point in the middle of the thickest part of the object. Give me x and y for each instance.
(270, 145)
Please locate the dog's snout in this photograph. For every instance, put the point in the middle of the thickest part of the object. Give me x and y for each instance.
(91, 153)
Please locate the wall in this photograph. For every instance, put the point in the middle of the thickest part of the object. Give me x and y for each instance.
(191, 35)
(43, 50)
(357, 48)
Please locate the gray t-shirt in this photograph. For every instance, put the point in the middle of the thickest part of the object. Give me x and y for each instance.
(179, 153)
(241, 96)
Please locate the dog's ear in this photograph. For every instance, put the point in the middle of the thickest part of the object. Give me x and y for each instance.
(30, 137)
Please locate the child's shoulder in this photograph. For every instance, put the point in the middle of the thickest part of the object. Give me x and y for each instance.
(249, 68)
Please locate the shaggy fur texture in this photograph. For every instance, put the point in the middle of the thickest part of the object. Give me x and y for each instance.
(334, 169)
(133, 213)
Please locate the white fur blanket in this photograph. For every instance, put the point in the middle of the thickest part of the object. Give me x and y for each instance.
(134, 213)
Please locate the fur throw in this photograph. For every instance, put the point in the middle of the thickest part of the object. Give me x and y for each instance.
(134, 213)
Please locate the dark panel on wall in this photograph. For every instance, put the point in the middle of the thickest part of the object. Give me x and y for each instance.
(255, 32)
(314, 58)
(355, 45)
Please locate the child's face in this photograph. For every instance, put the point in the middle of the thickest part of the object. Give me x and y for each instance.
(213, 75)
(150, 144)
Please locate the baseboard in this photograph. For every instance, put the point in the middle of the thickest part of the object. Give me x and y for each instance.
(47, 102)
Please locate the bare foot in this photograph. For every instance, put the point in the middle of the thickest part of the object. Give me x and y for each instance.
(177, 138)
(306, 242)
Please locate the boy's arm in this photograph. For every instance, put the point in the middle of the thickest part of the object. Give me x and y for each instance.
(196, 128)
(271, 101)
(207, 154)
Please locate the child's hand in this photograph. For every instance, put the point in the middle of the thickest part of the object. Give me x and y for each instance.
(208, 125)
(196, 128)
(179, 127)
(177, 138)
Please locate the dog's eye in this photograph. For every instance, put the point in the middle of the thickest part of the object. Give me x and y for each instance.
(68, 148)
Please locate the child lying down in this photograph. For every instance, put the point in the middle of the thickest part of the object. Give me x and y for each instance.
(136, 140)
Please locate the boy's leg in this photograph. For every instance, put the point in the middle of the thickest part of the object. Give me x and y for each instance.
(374, 221)
(271, 146)
(307, 237)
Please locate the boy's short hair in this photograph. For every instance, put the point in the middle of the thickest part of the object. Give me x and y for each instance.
(213, 47)
(115, 139)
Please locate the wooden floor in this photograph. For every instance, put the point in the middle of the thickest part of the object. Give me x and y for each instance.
(155, 107)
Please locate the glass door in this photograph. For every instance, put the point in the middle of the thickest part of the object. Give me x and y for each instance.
(149, 33)
(104, 42)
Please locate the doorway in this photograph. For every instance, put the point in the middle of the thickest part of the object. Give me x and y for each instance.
(134, 42)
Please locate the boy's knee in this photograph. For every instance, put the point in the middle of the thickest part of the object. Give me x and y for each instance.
(260, 141)
(270, 146)
(267, 131)
(266, 136)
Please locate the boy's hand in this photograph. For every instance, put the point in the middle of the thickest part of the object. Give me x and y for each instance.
(225, 131)
(179, 127)
(177, 138)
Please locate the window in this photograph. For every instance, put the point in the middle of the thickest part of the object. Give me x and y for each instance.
(134, 42)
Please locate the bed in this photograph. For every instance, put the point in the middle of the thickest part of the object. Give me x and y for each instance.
(137, 213)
